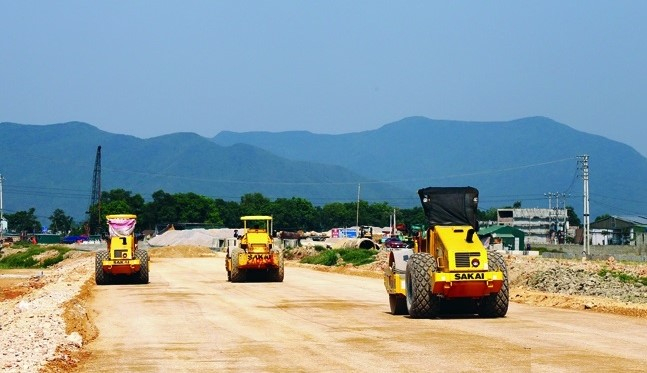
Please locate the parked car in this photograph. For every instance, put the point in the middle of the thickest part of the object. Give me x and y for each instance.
(394, 243)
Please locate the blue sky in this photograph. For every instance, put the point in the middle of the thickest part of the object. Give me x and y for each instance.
(148, 68)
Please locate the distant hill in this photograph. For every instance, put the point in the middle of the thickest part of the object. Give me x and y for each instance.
(51, 166)
(518, 160)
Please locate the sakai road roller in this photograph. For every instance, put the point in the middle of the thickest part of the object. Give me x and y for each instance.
(448, 270)
(254, 256)
(123, 260)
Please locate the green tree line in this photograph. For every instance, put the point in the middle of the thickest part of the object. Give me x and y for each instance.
(190, 209)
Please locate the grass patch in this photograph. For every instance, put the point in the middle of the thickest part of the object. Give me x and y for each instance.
(355, 257)
(623, 277)
(25, 259)
(327, 258)
(358, 257)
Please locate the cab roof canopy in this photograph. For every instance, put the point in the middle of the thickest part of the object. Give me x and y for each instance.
(450, 205)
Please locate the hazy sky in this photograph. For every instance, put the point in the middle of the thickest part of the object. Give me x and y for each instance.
(149, 68)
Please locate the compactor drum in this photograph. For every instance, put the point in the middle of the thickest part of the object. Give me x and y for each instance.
(448, 270)
(255, 256)
(123, 260)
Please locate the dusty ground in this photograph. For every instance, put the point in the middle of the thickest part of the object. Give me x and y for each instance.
(45, 323)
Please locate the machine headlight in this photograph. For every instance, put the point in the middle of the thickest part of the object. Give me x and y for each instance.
(475, 262)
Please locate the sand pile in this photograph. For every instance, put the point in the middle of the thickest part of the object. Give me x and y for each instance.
(192, 237)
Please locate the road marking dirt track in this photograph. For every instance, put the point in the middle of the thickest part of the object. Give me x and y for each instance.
(189, 318)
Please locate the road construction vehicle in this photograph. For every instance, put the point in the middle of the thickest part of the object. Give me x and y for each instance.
(255, 255)
(123, 260)
(448, 270)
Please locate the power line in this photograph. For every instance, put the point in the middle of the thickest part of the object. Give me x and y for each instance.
(354, 182)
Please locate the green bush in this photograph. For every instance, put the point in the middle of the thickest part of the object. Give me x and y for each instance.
(355, 257)
(623, 277)
(327, 258)
(25, 259)
(358, 257)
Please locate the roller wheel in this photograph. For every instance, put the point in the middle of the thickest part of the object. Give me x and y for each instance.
(100, 277)
(398, 304)
(421, 303)
(496, 305)
(142, 275)
(227, 260)
(276, 274)
(237, 274)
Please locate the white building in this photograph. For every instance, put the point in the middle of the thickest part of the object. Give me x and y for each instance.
(539, 225)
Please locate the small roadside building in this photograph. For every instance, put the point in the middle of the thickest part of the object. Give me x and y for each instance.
(511, 238)
(619, 230)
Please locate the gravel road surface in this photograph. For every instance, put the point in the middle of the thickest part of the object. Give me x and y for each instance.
(189, 318)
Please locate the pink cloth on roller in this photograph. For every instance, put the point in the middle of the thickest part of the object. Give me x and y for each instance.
(121, 227)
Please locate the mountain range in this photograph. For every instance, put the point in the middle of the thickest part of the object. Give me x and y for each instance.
(52, 166)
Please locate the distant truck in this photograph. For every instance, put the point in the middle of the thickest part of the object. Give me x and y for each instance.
(448, 270)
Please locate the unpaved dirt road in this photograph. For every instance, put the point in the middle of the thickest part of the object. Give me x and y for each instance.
(189, 318)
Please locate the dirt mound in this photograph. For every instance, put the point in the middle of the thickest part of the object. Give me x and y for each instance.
(180, 251)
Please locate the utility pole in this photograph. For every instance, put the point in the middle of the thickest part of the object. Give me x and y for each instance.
(357, 214)
(394, 224)
(550, 199)
(584, 161)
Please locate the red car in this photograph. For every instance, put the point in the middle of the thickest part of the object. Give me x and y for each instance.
(394, 243)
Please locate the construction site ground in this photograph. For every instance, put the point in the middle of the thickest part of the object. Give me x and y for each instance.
(563, 316)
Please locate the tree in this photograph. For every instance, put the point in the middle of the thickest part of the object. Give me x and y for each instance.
(114, 208)
(194, 208)
(487, 215)
(229, 212)
(602, 217)
(376, 214)
(413, 216)
(61, 222)
(338, 214)
(24, 221)
(162, 210)
(573, 219)
(255, 204)
(135, 202)
(294, 214)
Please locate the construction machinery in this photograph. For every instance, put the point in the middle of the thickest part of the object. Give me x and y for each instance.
(255, 254)
(123, 260)
(448, 270)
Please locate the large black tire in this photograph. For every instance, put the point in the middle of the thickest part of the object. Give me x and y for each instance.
(100, 277)
(227, 258)
(237, 274)
(277, 274)
(421, 303)
(496, 305)
(142, 275)
(398, 304)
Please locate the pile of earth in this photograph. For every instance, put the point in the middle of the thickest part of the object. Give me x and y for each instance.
(603, 286)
